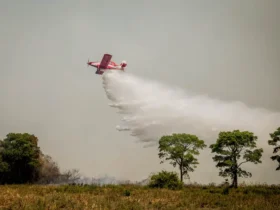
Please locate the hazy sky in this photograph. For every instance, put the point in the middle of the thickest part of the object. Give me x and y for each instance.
(226, 49)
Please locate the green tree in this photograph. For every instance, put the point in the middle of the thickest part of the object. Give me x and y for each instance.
(275, 138)
(4, 168)
(20, 158)
(231, 146)
(180, 149)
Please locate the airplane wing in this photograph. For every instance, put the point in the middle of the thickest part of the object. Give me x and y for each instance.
(105, 61)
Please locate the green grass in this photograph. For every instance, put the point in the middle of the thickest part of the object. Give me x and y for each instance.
(137, 197)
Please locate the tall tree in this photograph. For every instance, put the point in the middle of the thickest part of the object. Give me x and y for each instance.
(4, 166)
(180, 149)
(230, 146)
(4, 169)
(20, 155)
(275, 138)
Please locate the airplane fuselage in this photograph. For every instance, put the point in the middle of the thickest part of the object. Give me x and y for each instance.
(106, 64)
(111, 66)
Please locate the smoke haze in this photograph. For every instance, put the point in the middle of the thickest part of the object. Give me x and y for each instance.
(192, 60)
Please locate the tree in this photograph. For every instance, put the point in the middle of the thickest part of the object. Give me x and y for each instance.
(4, 168)
(71, 176)
(231, 146)
(180, 149)
(49, 170)
(19, 158)
(275, 137)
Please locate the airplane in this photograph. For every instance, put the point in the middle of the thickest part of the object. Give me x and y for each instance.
(106, 64)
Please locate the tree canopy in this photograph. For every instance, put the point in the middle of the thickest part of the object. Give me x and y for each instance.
(180, 150)
(22, 161)
(275, 139)
(19, 158)
(230, 147)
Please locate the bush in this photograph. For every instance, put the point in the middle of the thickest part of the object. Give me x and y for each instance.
(127, 193)
(165, 179)
(225, 191)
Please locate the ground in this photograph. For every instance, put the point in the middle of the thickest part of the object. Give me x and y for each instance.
(137, 197)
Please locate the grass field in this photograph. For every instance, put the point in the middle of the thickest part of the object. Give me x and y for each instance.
(137, 197)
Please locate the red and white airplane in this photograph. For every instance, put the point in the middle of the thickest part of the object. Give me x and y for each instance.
(106, 64)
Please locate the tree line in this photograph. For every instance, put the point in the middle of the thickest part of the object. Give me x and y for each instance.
(232, 149)
(22, 161)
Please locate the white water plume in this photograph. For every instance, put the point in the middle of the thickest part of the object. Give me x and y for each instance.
(151, 109)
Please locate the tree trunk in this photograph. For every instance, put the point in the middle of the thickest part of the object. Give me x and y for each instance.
(234, 181)
(181, 173)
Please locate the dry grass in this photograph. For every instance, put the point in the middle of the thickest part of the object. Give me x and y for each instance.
(137, 197)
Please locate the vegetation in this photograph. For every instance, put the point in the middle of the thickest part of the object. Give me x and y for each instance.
(165, 179)
(49, 170)
(19, 158)
(231, 146)
(22, 161)
(180, 149)
(24, 165)
(124, 197)
(275, 138)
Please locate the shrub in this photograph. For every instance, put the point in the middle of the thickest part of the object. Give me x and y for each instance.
(225, 191)
(127, 193)
(165, 179)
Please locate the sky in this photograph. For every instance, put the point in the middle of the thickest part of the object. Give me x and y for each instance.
(224, 49)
